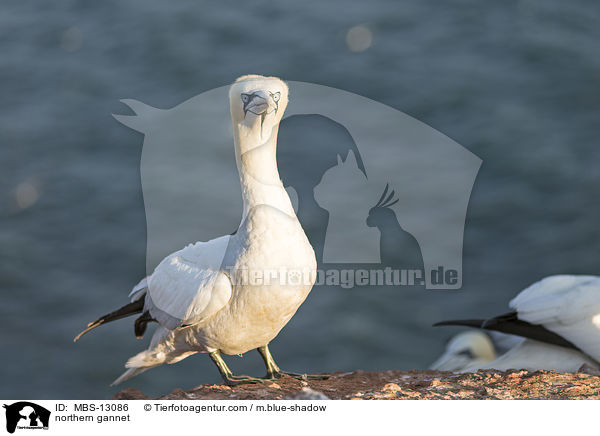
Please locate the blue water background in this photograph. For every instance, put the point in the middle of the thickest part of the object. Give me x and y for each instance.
(515, 82)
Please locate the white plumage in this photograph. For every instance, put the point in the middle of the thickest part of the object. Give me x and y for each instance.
(533, 356)
(465, 350)
(565, 305)
(189, 286)
(234, 293)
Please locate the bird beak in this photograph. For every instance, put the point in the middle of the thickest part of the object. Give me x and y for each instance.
(449, 362)
(260, 103)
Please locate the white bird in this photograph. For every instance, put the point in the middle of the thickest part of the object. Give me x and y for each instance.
(465, 350)
(534, 355)
(473, 348)
(559, 317)
(234, 293)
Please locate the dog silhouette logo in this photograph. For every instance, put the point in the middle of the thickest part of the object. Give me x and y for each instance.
(26, 415)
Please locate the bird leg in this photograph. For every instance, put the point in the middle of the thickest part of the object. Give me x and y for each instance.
(274, 372)
(227, 375)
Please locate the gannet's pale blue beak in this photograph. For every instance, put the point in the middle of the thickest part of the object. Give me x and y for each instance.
(260, 102)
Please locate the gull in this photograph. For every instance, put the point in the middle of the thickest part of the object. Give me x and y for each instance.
(559, 319)
(234, 293)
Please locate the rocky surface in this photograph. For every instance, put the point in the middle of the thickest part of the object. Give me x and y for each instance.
(399, 385)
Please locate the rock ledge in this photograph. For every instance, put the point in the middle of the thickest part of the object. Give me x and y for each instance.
(399, 385)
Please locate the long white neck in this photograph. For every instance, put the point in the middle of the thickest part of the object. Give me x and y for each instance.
(257, 166)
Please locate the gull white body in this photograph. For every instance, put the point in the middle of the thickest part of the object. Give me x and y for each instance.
(222, 295)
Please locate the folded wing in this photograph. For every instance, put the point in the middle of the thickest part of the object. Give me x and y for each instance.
(189, 286)
(566, 305)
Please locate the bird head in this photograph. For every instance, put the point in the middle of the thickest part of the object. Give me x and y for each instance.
(465, 350)
(257, 104)
(383, 207)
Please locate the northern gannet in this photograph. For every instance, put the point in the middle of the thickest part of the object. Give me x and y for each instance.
(464, 351)
(234, 293)
(559, 317)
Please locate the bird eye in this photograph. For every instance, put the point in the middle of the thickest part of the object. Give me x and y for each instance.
(276, 96)
(245, 98)
(466, 353)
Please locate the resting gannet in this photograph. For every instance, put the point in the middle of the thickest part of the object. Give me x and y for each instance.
(234, 293)
(559, 317)
(465, 350)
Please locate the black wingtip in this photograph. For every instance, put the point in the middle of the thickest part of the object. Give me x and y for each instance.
(477, 323)
(139, 327)
(90, 326)
(127, 310)
(510, 323)
(493, 323)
